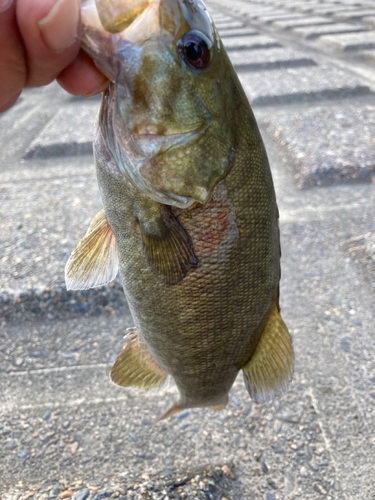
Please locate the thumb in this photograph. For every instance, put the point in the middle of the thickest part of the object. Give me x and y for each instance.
(50, 30)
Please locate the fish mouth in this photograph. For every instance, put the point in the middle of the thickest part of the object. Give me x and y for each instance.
(152, 143)
(165, 133)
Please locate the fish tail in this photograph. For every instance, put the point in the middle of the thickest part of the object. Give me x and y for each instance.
(178, 406)
(220, 406)
(172, 410)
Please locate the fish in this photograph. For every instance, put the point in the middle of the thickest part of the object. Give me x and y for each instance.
(190, 219)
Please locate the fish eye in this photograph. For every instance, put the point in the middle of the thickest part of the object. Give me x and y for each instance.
(194, 49)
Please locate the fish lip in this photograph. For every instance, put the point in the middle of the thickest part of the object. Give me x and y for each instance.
(199, 130)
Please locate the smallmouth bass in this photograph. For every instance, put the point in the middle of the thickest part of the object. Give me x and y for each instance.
(190, 219)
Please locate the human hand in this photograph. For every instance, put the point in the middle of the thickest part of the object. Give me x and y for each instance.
(40, 42)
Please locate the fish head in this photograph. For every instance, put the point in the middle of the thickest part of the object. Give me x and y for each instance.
(168, 117)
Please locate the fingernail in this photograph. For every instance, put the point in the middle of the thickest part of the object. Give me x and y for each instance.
(5, 4)
(98, 90)
(60, 27)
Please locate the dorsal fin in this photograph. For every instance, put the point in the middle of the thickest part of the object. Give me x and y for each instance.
(94, 262)
(135, 367)
(271, 366)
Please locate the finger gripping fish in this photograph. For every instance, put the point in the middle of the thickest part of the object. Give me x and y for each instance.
(190, 219)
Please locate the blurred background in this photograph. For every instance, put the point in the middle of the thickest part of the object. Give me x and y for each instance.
(308, 68)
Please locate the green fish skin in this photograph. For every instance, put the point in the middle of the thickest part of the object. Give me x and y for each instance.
(190, 217)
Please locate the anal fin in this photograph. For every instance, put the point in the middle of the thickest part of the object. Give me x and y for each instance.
(135, 367)
(270, 368)
(94, 262)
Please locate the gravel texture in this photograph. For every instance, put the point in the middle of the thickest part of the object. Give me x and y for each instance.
(328, 145)
(349, 42)
(369, 55)
(244, 31)
(69, 132)
(355, 14)
(288, 24)
(213, 482)
(312, 32)
(228, 24)
(263, 59)
(278, 14)
(35, 218)
(251, 10)
(57, 302)
(253, 43)
(333, 9)
(264, 449)
(60, 345)
(296, 85)
(369, 20)
(362, 251)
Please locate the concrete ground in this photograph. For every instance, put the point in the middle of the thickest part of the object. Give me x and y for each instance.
(66, 431)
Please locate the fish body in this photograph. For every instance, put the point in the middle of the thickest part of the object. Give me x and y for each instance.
(190, 218)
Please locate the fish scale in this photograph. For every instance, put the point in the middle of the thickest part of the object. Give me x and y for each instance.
(201, 271)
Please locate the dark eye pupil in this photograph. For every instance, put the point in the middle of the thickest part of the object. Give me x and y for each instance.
(193, 51)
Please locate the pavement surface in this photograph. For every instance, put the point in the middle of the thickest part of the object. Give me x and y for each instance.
(66, 431)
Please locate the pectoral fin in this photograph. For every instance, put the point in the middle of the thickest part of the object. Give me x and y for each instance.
(135, 367)
(271, 366)
(94, 262)
(169, 250)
